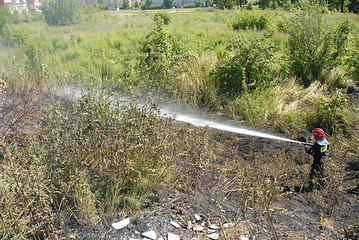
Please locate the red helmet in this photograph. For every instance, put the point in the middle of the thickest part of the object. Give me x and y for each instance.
(318, 134)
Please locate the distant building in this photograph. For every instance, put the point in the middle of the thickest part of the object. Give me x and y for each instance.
(21, 5)
(113, 3)
(33, 5)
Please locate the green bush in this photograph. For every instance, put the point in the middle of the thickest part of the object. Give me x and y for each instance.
(249, 20)
(60, 13)
(163, 61)
(332, 114)
(309, 46)
(168, 3)
(14, 37)
(341, 41)
(155, 6)
(351, 61)
(4, 19)
(249, 67)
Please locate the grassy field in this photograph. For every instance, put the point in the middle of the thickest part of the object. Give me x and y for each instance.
(275, 70)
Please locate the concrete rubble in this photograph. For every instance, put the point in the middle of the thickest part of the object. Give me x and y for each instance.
(212, 231)
(150, 235)
(121, 224)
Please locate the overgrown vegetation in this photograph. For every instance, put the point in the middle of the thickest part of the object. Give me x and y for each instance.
(275, 70)
(91, 159)
(60, 12)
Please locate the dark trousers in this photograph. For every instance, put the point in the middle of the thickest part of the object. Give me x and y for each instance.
(317, 175)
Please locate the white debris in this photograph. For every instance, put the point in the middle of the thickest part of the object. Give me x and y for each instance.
(172, 236)
(134, 239)
(214, 227)
(243, 238)
(121, 224)
(150, 234)
(175, 224)
(189, 225)
(198, 228)
(213, 236)
(197, 217)
(227, 225)
(211, 230)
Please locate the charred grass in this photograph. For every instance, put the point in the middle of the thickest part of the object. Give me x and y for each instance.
(81, 162)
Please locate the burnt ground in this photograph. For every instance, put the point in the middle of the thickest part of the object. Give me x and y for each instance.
(295, 214)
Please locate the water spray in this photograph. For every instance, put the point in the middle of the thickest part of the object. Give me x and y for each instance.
(202, 122)
(74, 93)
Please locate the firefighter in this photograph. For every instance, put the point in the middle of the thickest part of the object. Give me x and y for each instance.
(319, 152)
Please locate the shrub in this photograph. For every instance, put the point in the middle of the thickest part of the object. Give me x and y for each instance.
(332, 114)
(351, 61)
(14, 38)
(60, 13)
(309, 47)
(4, 18)
(340, 41)
(248, 68)
(88, 160)
(250, 21)
(155, 6)
(168, 3)
(165, 16)
(189, 5)
(163, 61)
(35, 52)
(118, 153)
(25, 197)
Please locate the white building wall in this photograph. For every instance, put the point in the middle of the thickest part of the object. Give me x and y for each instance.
(16, 5)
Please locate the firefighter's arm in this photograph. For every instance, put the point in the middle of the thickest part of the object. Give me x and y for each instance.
(309, 149)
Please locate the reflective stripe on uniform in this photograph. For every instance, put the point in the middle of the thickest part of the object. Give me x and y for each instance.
(324, 148)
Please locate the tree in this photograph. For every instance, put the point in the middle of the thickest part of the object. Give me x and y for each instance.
(340, 5)
(60, 13)
(225, 3)
(241, 3)
(264, 4)
(168, 3)
(101, 4)
(353, 6)
(148, 4)
(136, 5)
(126, 4)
